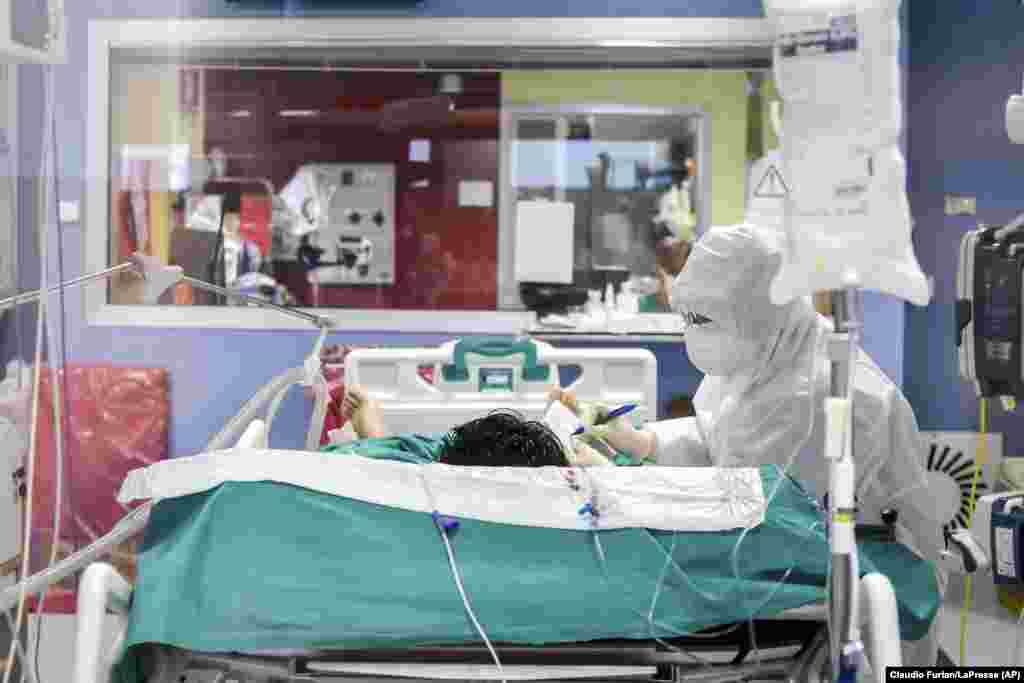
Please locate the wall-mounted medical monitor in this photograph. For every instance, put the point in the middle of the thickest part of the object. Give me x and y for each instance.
(399, 178)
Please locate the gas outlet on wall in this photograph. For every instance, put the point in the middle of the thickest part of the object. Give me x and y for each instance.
(961, 205)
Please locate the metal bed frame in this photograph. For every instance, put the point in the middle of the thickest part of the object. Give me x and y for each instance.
(792, 646)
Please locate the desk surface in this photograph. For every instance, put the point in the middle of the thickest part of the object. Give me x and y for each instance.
(991, 628)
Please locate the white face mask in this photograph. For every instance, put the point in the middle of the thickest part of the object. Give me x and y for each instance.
(714, 352)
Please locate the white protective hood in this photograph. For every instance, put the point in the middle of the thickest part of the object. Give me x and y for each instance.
(770, 410)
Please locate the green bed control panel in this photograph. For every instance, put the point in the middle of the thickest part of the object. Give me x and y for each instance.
(496, 378)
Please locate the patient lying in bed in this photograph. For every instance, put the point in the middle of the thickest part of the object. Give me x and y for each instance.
(500, 439)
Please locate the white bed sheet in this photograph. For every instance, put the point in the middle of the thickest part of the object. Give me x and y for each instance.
(663, 498)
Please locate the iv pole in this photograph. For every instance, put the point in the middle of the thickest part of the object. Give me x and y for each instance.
(158, 278)
(847, 589)
(844, 576)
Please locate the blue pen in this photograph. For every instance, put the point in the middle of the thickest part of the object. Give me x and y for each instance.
(618, 412)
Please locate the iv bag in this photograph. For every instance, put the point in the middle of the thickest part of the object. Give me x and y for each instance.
(846, 212)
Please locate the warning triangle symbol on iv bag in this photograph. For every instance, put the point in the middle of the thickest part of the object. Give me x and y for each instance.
(771, 185)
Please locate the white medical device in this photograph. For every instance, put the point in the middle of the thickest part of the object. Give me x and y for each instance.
(994, 542)
(836, 67)
(997, 527)
(989, 295)
(32, 31)
(990, 291)
(348, 215)
(1015, 119)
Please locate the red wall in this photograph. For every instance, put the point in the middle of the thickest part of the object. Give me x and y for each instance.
(446, 255)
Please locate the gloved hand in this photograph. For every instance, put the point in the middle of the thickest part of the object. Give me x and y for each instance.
(588, 413)
(585, 456)
(619, 432)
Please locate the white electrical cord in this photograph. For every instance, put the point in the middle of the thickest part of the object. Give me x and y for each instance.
(55, 381)
(453, 565)
(37, 369)
(593, 511)
(25, 670)
(469, 608)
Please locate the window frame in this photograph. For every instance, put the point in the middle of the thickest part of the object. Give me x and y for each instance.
(553, 43)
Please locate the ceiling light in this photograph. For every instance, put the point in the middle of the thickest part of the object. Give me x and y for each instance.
(299, 113)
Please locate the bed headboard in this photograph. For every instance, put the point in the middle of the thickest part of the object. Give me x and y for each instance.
(474, 376)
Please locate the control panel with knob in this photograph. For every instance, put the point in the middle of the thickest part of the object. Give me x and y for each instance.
(357, 230)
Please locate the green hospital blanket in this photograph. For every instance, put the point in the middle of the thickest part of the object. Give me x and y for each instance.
(263, 566)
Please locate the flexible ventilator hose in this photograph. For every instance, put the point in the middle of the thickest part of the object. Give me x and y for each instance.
(273, 390)
(135, 521)
(316, 423)
(309, 373)
(980, 456)
(296, 376)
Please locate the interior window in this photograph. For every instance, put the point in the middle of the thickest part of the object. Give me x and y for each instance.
(601, 189)
(413, 188)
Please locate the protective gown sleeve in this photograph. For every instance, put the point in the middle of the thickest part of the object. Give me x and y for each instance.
(891, 450)
(679, 443)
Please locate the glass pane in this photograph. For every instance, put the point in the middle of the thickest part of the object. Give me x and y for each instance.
(357, 188)
(631, 178)
(305, 186)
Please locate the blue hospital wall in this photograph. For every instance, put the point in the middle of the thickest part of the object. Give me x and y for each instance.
(964, 63)
(213, 373)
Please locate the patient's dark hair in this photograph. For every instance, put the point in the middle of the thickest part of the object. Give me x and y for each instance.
(503, 439)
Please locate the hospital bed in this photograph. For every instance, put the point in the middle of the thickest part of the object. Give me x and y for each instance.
(213, 603)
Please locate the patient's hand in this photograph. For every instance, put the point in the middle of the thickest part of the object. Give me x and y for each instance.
(363, 412)
(566, 397)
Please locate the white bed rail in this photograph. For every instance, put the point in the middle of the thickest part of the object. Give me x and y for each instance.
(475, 376)
(101, 590)
(880, 616)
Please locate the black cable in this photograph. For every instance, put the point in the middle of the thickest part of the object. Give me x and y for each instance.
(231, 201)
(213, 268)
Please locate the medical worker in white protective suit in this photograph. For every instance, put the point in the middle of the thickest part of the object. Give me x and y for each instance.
(762, 398)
